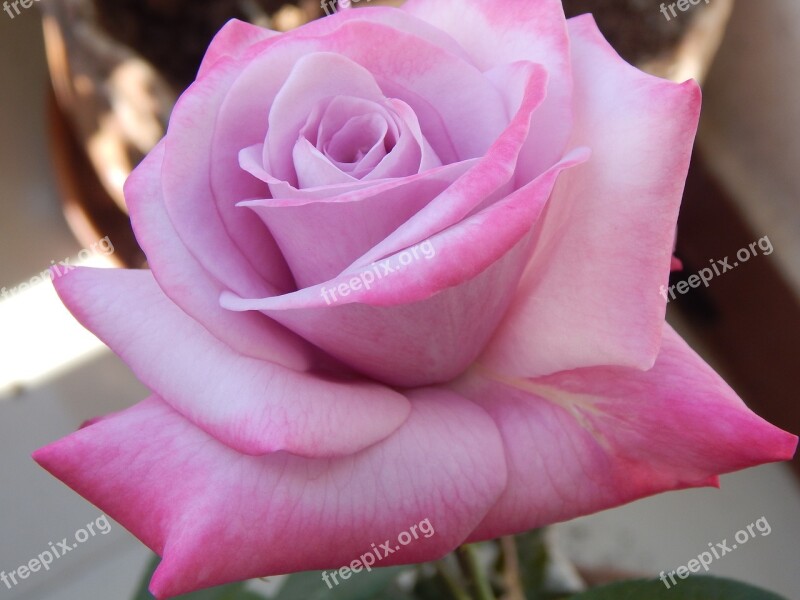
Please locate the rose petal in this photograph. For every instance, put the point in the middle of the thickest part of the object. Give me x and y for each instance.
(321, 237)
(499, 33)
(190, 200)
(228, 184)
(313, 168)
(442, 89)
(217, 516)
(360, 145)
(590, 439)
(187, 284)
(237, 246)
(606, 238)
(285, 194)
(235, 38)
(253, 406)
(409, 121)
(396, 19)
(427, 321)
(314, 78)
(491, 178)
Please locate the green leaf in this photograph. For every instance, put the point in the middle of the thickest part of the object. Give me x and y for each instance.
(432, 584)
(366, 585)
(234, 591)
(431, 589)
(693, 588)
(533, 558)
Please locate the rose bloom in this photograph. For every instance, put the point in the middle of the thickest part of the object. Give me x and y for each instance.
(404, 265)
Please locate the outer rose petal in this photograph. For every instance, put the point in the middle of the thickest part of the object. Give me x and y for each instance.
(590, 439)
(232, 41)
(251, 405)
(189, 198)
(397, 19)
(218, 516)
(494, 33)
(187, 284)
(606, 238)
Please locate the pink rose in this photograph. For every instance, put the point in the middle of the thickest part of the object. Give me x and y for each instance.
(405, 265)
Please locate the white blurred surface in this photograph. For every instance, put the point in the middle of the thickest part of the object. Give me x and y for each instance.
(666, 531)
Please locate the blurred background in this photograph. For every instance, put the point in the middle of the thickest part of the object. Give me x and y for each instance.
(87, 87)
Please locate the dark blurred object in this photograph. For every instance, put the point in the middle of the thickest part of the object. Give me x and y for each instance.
(117, 69)
(749, 317)
(636, 28)
(174, 34)
(89, 211)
